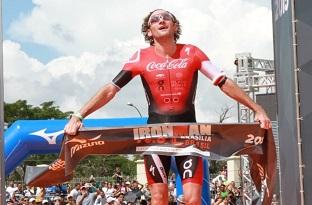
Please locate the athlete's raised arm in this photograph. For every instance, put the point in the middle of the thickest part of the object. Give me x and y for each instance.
(102, 97)
(231, 89)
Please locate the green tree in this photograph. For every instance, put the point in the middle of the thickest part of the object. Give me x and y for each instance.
(18, 110)
(100, 166)
(21, 110)
(48, 110)
(216, 166)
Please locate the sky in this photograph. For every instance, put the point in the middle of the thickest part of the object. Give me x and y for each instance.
(65, 50)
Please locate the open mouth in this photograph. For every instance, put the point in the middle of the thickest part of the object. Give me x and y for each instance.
(162, 27)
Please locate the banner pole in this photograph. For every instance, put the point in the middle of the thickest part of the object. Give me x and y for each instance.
(298, 118)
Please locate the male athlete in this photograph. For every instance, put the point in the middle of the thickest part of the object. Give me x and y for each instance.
(169, 75)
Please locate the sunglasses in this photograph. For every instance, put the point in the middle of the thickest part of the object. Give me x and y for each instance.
(158, 17)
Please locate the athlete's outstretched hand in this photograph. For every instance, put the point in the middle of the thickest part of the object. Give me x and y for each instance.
(263, 119)
(72, 127)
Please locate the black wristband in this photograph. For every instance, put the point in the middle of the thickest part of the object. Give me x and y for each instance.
(222, 82)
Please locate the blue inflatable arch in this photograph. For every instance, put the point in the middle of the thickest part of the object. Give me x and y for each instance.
(26, 137)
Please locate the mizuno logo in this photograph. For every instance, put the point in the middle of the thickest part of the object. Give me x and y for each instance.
(49, 137)
(84, 143)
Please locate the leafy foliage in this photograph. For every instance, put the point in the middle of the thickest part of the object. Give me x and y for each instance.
(216, 166)
(100, 166)
(21, 110)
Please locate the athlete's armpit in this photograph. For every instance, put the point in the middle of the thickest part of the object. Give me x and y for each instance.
(214, 73)
(122, 78)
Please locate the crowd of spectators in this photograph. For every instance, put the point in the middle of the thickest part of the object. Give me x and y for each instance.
(87, 193)
(117, 191)
(224, 192)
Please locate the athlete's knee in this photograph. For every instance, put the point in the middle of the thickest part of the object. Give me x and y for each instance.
(192, 193)
(192, 200)
(159, 198)
(159, 193)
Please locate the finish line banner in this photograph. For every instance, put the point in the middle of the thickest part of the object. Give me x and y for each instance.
(213, 141)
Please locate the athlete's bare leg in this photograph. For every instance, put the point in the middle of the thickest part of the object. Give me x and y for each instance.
(159, 193)
(192, 193)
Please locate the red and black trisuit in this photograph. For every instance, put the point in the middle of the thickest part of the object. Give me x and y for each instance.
(170, 86)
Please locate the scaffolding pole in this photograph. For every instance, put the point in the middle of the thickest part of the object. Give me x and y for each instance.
(254, 76)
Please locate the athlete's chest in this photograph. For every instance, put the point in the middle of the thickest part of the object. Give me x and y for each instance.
(167, 75)
(180, 65)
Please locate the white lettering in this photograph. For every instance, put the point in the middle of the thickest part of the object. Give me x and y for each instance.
(152, 132)
(281, 7)
(251, 139)
(187, 165)
(205, 129)
(187, 50)
(174, 64)
(194, 131)
(152, 170)
(136, 134)
(77, 147)
(144, 133)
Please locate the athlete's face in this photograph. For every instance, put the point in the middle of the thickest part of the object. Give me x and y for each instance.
(161, 25)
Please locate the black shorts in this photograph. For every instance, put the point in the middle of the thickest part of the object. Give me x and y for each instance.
(157, 168)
